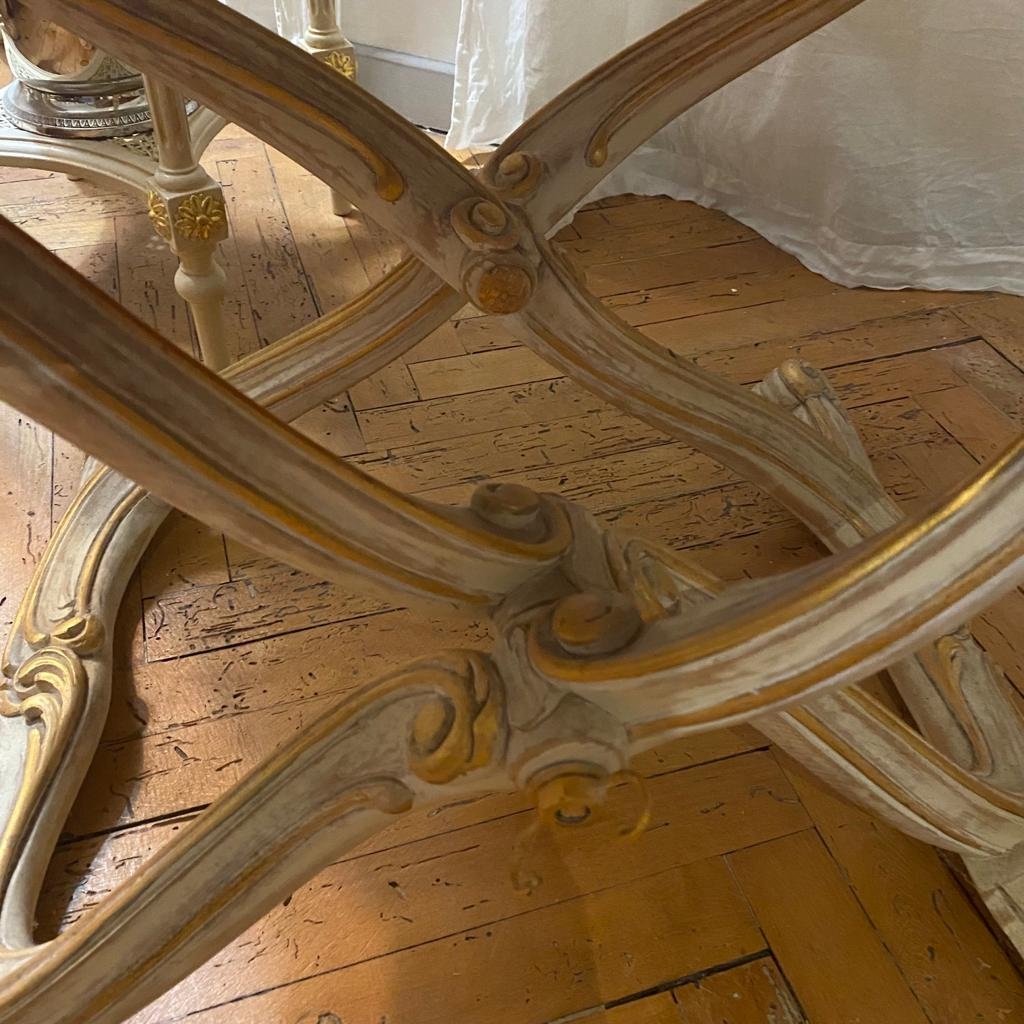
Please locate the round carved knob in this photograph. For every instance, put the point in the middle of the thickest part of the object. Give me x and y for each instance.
(488, 217)
(517, 176)
(513, 168)
(509, 506)
(595, 622)
(570, 798)
(484, 225)
(499, 286)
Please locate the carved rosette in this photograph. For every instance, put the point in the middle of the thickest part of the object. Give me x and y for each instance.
(200, 217)
(496, 276)
(188, 219)
(450, 716)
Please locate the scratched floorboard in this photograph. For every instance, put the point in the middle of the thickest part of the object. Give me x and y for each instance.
(756, 896)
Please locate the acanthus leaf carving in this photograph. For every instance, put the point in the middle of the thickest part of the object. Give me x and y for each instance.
(48, 690)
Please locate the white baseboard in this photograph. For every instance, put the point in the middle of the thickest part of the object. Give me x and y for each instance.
(419, 88)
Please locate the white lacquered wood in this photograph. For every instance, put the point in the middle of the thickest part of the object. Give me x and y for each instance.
(339, 781)
(225, 459)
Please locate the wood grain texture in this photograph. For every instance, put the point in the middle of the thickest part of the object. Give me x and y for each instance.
(821, 936)
(919, 911)
(235, 651)
(566, 958)
(753, 993)
(1000, 323)
(397, 899)
(659, 1009)
(118, 434)
(24, 501)
(278, 290)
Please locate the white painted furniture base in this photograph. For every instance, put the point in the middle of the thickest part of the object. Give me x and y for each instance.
(605, 644)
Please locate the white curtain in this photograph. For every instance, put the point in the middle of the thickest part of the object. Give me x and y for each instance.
(291, 18)
(885, 150)
(287, 18)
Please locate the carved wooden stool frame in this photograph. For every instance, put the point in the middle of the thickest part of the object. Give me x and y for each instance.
(605, 644)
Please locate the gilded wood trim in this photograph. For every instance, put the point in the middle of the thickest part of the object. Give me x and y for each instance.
(590, 127)
(653, 642)
(772, 27)
(315, 524)
(963, 812)
(78, 629)
(330, 355)
(387, 747)
(296, 103)
(48, 691)
(569, 328)
(976, 536)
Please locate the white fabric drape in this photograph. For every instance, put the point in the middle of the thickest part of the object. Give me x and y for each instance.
(287, 18)
(291, 18)
(885, 150)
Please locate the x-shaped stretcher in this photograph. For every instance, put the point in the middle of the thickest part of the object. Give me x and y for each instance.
(605, 644)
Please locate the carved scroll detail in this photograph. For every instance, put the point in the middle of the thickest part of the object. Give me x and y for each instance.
(462, 728)
(388, 746)
(48, 690)
(78, 627)
(954, 692)
(626, 631)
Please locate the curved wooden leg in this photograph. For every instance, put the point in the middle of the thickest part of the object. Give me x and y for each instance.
(392, 745)
(56, 690)
(957, 696)
(97, 161)
(60, 643)
(598, 639)
(795, 440)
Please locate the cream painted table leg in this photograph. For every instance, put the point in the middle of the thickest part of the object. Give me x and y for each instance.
(324, 39)
(186, 207)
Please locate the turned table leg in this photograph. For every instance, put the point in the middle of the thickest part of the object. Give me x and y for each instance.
(324, 39)
(186, 207)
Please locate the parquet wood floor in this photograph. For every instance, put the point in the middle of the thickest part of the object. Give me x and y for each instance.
(755, 897)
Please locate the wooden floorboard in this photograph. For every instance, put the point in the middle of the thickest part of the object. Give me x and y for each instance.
(755, 896)
(820, 934)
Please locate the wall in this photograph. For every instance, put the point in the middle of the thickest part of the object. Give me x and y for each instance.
(425, 28)
(406, 48)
